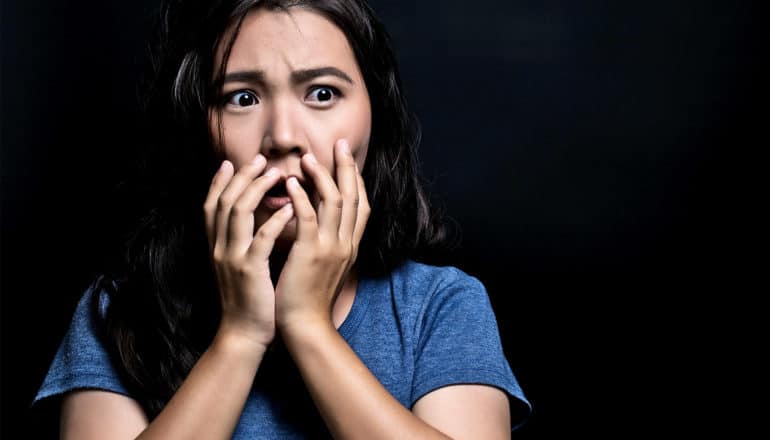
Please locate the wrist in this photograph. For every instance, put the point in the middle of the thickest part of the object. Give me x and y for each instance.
(235, 340)
(304, 325)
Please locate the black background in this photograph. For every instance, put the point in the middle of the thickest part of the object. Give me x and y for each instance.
(599, 157)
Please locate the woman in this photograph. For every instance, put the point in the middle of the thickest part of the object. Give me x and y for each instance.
(323, 324)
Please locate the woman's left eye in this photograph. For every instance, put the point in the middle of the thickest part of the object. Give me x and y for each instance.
(323, 94)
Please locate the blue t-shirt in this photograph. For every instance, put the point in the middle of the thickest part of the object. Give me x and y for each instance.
(418, 329)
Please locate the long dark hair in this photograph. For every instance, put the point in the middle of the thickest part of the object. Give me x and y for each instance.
(163, 310)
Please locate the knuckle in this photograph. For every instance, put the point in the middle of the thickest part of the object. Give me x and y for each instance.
(347, 249)
(225, 202)
(218, 256)
(243, 270)
(240, 208)
(309, 217)
(336, 201)
(263, 233)
(317, 259)
(341, 254)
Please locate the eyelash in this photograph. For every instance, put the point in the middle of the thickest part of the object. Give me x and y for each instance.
(229, 96)
(335, 91)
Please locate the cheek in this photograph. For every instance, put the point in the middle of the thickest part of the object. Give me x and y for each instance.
(360, 155)
(239, 141)
(353, 125)
(363, 122)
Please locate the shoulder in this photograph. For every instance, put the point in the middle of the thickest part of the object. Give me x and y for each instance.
(89, 313)
(413, 273)
(456, 336)
(95, 300)
(82, 359)
(426, 283)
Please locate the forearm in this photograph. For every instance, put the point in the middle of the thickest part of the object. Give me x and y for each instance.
(351, 400)
(209, 402)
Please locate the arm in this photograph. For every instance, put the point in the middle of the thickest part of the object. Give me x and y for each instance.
(207, 405)
(354, 404)
(348, 396)
(351, 400)
(467, 411)
(209, 402)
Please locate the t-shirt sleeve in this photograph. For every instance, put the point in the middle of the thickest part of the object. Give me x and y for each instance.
(81, 360)
(459, 343)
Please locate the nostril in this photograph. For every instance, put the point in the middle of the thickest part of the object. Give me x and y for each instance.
(277, 150)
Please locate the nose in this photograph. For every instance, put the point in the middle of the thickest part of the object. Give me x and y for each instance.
(283, 134)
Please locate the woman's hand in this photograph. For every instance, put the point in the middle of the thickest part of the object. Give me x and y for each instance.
(239, 256)
(326, 244)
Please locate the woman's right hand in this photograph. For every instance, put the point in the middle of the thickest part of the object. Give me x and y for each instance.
(241, 257)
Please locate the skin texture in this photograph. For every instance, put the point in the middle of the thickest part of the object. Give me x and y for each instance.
(315, 239)
(274, 122)
(289, 119)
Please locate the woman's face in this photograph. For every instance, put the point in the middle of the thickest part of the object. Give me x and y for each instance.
(292, 86)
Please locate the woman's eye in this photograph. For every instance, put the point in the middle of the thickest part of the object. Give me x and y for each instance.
(242, 99)
(323, 94)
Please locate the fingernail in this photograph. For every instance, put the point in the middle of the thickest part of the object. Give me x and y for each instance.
(272, 172)
(311, 158)
(292, 181)
(345, 146)
(258, 160)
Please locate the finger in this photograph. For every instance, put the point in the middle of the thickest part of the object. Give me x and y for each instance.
(307, 221)
(218, 184)
(241, 226)
(240, 180)
(264, 239)
(347, 179)
(363, 213)
(331, 201)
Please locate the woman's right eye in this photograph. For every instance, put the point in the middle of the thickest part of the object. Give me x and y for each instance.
(241, 98)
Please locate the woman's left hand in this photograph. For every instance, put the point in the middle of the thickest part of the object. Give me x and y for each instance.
(326, 244)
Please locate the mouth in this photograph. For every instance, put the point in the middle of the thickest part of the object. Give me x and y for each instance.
(278, 196)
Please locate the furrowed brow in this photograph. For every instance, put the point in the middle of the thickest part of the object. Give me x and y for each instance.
(297, 76)
(247, 76)
(302, 76)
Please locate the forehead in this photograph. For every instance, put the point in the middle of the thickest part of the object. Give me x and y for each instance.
(293, 39)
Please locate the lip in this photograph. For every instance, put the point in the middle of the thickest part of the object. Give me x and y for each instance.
(275, 202)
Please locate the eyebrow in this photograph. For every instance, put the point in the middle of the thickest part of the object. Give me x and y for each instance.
(297, 76)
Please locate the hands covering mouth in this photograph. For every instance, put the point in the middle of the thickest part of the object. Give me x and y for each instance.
(329, 228)
(277, 196)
